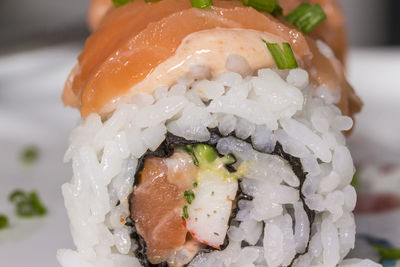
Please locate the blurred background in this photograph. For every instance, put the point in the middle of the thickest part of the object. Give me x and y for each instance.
(39, 43)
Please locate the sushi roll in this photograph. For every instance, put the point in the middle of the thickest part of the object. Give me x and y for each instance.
(209, 137)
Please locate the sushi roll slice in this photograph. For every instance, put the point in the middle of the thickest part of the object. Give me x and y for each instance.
(209, 137)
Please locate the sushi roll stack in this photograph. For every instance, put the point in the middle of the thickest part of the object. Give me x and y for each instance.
(230, 161)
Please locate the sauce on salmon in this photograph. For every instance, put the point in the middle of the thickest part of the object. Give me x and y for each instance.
(133, 40)
(137, 37)
(332, 30)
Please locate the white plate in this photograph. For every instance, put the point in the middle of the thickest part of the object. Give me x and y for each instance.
(376, 76)
(31, 112)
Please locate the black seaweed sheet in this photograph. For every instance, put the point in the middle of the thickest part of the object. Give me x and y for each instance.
(166, 150)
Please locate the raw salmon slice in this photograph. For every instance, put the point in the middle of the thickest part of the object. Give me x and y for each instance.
(332, 30)
(136, 38)
(157, 201)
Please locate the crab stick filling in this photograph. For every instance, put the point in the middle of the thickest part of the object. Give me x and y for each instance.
(183, 203)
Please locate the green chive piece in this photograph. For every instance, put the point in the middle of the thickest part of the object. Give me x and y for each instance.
(195, 184)
(189, 196)
(185, 212)
(37, 204)
(206, 152)
(285, 58)
(3, 221)
(189, 150)
(387, 253)
(270, 6)
(306, 17)
(118, 3)
(25, 209)
(277, 12)
(17, 196)
(27, 204)
(201, 3)
(30, 155)
(150, 1)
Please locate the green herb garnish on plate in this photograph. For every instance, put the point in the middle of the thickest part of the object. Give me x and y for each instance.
(3, 221)
(27, 204)
(30, 155)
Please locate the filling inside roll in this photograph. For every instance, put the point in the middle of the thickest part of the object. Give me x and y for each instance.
(187, 195)
(192, 196)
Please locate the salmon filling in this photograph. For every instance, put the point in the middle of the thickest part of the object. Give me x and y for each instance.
(174, 206)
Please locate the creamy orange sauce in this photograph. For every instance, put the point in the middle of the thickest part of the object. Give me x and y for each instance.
(209, 48)
(137, 37)
(141, 46)
(332, 30)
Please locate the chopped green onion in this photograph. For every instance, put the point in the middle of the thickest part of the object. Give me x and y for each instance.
(17, 196)
(189, 150)
(201, 3)
(118, 3)
(185, 212)
(37, 204)
(306, 17)
(206, 152)
(25, 209)
(189, 196)
(30, 155)
(195, 184)
(285, 58)
(277, 12)
(3, 221)
(27, 204)
(387, 253)
(150, 1)
(270, 6)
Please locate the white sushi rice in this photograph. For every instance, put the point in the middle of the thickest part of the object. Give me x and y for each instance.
(268, 107)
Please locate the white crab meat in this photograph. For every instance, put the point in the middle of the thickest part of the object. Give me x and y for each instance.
(211, 209)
